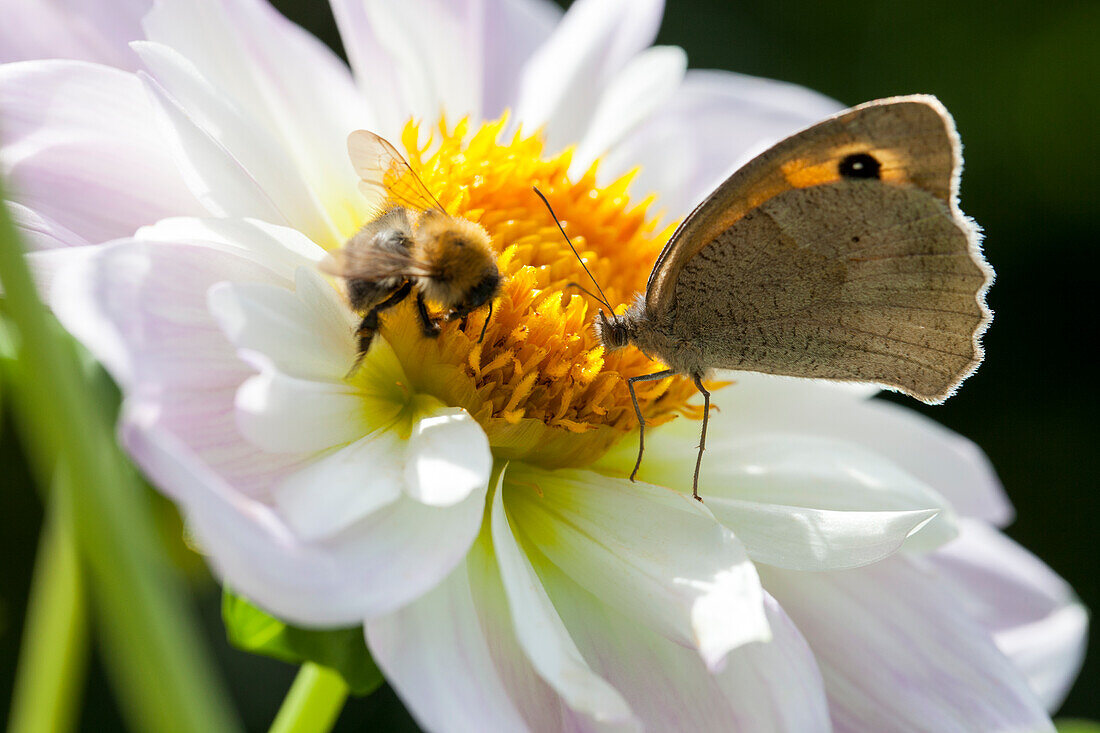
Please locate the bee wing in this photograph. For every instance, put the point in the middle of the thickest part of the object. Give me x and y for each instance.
(386, 176)
(373, 264)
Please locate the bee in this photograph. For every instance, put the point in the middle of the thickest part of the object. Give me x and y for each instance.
(411, 245)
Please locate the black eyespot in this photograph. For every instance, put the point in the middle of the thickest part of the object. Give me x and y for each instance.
(860, 165)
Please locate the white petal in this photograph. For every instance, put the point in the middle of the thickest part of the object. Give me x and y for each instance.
(643, 549)
(444, 660)
(463, 56)
(283, 80)
(564, 80)
(282, 414)
(936, 456)
(708, 128)
(338, 490)
(543, 636)
(91, 30)
(765, 686)
(390, 558)
(1034, 615)
(897, 651)
(447, 457)
(798, 502)
(245, 139)
(81, 149)
(306, 333)
(216, 178)
(280, 249)
(644, 84)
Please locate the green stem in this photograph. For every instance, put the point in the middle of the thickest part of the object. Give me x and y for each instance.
(161, 671)
(54, 655)
(313, 703)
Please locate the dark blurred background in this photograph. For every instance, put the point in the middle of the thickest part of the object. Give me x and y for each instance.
(1023, 82)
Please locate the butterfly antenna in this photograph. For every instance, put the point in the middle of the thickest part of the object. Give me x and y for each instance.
(602, 298)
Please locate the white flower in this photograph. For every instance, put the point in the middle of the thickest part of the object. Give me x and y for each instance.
(843, 572)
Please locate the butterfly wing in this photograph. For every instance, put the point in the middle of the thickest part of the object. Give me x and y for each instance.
(839, 254)
(385, 178)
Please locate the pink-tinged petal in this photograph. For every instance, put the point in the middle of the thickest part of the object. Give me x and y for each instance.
(709, 127)
(378, 565)
(542, 635)
(796, 501)
(140, 307)
(645, 550)
(939, 458)
(765, 686)
(563, 82)
(307, 333)
(462, 57)
(81, 149)
(91, 30)
(1033, 614)
(898, 651)
(644, 85)
(281, 79)
(39, 232)
(452, 658)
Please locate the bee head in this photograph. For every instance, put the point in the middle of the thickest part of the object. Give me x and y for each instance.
(461, 255)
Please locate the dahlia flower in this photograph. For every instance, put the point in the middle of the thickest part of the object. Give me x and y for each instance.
(466, 500)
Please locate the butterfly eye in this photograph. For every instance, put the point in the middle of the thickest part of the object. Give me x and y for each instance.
(860, 165)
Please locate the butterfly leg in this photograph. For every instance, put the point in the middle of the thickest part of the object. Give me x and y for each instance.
(369, 325)
(638, 411)
(429, 327)
(702, 436)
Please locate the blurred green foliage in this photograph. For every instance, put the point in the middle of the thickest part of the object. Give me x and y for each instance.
(1021, 80)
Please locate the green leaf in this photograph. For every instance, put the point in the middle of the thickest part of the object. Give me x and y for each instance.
(342, 650)
(1072, 725)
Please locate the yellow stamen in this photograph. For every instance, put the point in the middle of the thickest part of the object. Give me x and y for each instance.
(540, 384)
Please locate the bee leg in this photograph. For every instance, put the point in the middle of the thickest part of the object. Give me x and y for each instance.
(369, 325)
(702, 436)
(638, 411)
(486, 324)
(429, 327)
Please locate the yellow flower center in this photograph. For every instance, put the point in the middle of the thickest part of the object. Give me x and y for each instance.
(540, 383)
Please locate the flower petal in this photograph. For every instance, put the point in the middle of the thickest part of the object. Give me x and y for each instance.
(461, 56)
(646, 550)
(306, 333)
(708, 128)
(543, 636)
(446, 458)
(643, 85)
(798, 502)
(451, 658)
(385, 561)
(565, 78)
(140, 307)
(91, 30)
(82, 150)
(897, 651)
(939, 458)
(288, 85)
(39, 232)
(1034, 615)
(766, 685)
(338, 490)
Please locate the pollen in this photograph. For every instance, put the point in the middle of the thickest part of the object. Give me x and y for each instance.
(539, 382)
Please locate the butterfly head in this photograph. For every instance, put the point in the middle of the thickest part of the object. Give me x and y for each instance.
(612, 332)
